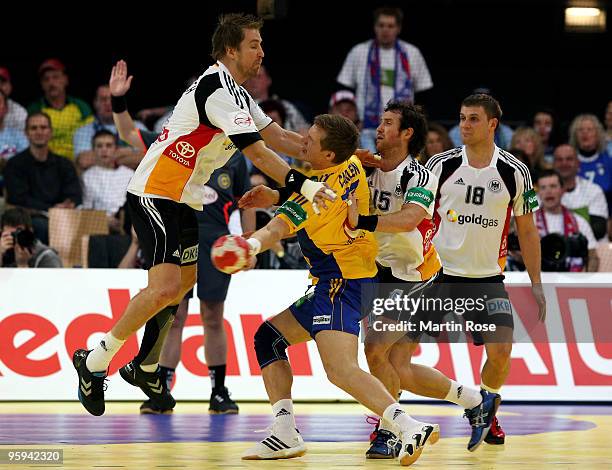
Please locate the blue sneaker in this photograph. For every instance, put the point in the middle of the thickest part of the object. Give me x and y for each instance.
(383, 445)
(481, 418)
(91, 384)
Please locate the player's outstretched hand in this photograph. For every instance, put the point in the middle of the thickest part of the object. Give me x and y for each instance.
(368, 158)
(324, 194)
(119, 82)
(260, 196)
(538, 293)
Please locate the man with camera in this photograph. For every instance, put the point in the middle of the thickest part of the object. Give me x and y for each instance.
(18, 245)
(567, 240)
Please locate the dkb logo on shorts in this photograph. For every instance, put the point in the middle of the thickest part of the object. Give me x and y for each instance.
(190, 255)
(495, 306)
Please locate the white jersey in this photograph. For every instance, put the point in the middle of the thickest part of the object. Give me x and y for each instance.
(473, 210)
(214, 117)
(410, 255)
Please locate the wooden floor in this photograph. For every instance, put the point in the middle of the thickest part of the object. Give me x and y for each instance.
(539, 437)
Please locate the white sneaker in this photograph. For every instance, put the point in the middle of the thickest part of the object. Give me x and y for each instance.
(280, 444)
(414, 439)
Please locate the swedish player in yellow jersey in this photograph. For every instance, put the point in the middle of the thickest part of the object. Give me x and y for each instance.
(343, 267)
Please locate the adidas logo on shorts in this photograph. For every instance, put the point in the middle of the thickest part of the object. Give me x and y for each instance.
(177, 254)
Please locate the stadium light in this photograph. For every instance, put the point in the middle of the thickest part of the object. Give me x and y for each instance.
(585, 17)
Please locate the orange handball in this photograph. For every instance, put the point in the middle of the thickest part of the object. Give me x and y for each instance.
(230, 253)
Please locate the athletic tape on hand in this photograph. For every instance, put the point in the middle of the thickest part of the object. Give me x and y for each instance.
(255, 246)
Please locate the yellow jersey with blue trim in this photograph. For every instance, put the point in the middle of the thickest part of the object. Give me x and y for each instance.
(327, 246)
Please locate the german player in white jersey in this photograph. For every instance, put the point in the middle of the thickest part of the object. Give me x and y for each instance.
(479, 187)
(402, 198)
(214, 117)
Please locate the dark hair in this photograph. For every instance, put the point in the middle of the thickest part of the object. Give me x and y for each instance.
(488, 103)
(411, 117)
(16, 216)
(397, 13)
(439, 129)
(274, 105)
(4, 95)
(103, 132)
(230, 32)
(546, 173)
(37, 113)
(341, 135)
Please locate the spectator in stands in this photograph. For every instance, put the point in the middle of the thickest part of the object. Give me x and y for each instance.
(16, 114)
(344, 103)
(38, 179)
(586, 199)
(277, 111)
(66, 112)
(609, 127)
(503, 133)
(83, 137)
(19, 246)
(382, 69)
(588, 137)
(437, 141)
(259, 89)
(528, 140)
(12, 139)
(105, 183)
(544, 123)
(554, 217)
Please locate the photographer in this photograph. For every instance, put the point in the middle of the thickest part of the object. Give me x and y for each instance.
(577, 235)
(18, 245)
(567, 240)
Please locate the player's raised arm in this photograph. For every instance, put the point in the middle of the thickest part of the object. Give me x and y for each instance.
(119, 84)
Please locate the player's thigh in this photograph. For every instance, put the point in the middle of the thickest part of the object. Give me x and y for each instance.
(290, 328)
(403, 350)
(337, 349)
(157, 225)
(165, 277)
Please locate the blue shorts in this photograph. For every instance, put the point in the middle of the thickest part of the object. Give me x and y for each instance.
(334, 304)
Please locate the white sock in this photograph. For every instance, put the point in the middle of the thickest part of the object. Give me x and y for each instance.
(489, 389)
(400, 420)
(99, 359)
(149, 367)
(463, 396)
(385, 425)
(282, 411)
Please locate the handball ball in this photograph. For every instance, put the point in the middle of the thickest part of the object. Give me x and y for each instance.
(230, 253)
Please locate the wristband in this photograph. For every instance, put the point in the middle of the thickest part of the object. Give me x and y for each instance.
(284, 193)
(118, 104)
(367, 222)
(294, 181)
(255, 246)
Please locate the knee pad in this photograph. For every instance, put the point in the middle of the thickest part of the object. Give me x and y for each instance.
(270, 345)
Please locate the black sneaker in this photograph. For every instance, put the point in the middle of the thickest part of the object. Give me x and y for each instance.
(150, 383)
(149, 408)
(91, 384)
(221, 403)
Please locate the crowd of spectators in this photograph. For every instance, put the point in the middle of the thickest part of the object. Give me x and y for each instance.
(62, 152)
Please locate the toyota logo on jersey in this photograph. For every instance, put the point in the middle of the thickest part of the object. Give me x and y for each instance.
(185, 149)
